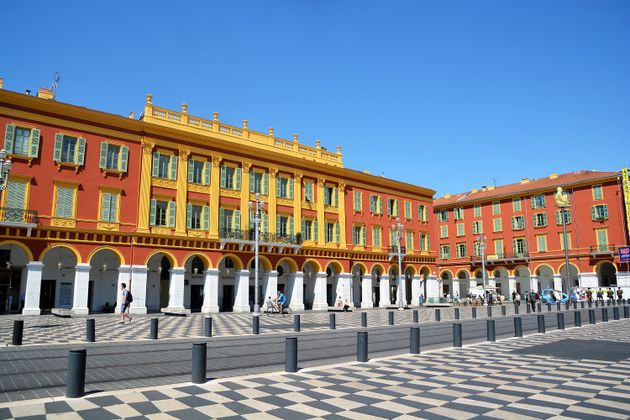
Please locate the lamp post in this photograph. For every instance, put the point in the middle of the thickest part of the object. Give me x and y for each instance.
(256, 212)
(5, 168)
(399, 227)
(482, 249)
(563, 202)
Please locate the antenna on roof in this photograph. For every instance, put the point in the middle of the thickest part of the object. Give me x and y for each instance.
(55, 82)
(494, 182)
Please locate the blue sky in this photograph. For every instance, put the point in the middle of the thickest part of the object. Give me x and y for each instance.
(445, 94)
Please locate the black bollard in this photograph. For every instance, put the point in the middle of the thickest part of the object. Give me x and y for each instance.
(207, 326)
(490, 330)
(256, 325)
(390, 317)
(457, 334)
(577, 316)
(414, 315)
(90, 330)
(574, 305)
(518, 326)
(362, 346)
(332, 322)
(605, 314)
(504, 310)
(290, 354)
(456, 313)
(517, 309)
(364, 319)
(591, 316)
(199, 359)
(438, 317)
(626, 311)
(558, 307)
(474, 312)
(549, 307)
(590, 303)
(18, 332)
(560, 316)
(582, 304)
(529, 308)
(75, 383)
(154, 329)
(616, 313)
(539, 307)
(597, 303)
(489, 311)
(414, 340)
(296, 323)
(567, 305)
(541, 323)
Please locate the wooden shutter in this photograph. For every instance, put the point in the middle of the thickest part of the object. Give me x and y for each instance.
(173, 167)
(290, 225)
(278, 225)
(223, 176)
(363, 235)
(593, 212)
(171, 213)
(156, 163)
(336, 198)
(9, 136)
(315, 231)
(380, 205)
(372, 204)
(124, 159)
(80, 154)
(252, 181)
(191, 168)
(102, 162)
(34, 149)
(152, 212)
(58, 147)
(237, 220)
(303, 226)
(237, 183)
(265, 223)
(265, 182)
(355, 239)
(188, 216)
(337, 232)
(205, 217)
(113, 208)
(222, 219)
(290, 188)
(105, 206)
(278, 187)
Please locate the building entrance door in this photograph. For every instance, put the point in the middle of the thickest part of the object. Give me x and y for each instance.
(4, 298)
(47, 295)
(228, 298)
(196, 297)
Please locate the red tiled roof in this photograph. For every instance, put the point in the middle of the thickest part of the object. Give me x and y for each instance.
(547, 183)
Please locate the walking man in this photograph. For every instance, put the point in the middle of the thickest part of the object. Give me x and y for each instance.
(125, 303)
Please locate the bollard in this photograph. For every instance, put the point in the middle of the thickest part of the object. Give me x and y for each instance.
(490, 330)
(590, 303)
(567, 305)
(199, 358)
(539, 307)
(517, 309)
(518, 326)
(549, 307)
(457, 334)
(541, 323)
(597, 303)
(256, 325)
(474, 312)
(18, 332)
(362, 346)
(415, 316)
(456, 313)
(558, 306)
(414, 340)
(616, 313)
(560, 316)
(489, 311)
(574, 305)
(582, 304)
(296, 323)
(605, 314)
(504, 310)
(390, 317)
(609, 302)
(591, 316)
(154, 329)
(577, 316)
(207, 326)
(75, 383)
(332, 322)
(290, 354)
(438, 317)
(529, 308)
(90, 330)
(626, 311)
(364, 319)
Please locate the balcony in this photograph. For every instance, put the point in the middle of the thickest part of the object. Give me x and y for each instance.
(265, 240)
(501, 258)
(602, 251)
(21, 218)
(393, 252)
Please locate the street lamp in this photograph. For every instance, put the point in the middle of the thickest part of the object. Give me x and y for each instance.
(399, 228)
(256, 209)
(482, 250)
(5, 168)
(562, 202)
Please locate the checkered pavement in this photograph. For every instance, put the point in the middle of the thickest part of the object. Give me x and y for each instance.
(489, 380)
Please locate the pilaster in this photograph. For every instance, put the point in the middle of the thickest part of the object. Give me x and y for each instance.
(273, 173)
(319, 299)
(245, 174)
(416, 290)
(270, 287)
(341, 207)
(145, 186)
(321, 216)
(138, 289)
(215, 192)
(297, 203)
(211, 291)
(297, 291)
(366, 291)
(344, 288)
(33, 288)
(241, 280)
(80, 294)
(176, 289)
(182, 192)
(385, 297)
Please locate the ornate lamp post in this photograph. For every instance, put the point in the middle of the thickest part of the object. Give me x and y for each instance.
(5, 168)
(256, 209)
(482, 250)
(562, 202)
(399, 228)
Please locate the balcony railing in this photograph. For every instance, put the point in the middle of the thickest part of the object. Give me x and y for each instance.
(19, 218)
(500, 258)
(266, 240)
(394, 250)
(602, 249)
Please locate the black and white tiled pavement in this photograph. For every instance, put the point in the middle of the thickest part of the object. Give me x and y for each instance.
(510, 379)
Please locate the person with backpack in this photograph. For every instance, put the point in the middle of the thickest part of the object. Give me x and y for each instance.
(126, 300)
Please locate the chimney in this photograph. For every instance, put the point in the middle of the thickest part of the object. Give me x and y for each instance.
(45, 93)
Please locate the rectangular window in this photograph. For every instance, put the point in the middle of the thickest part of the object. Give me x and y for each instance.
(307, 228)
(230, 220)
(409, 240)
(599, 212)
(602, 240)
(392, 207)
(329, 194)
(541, 243)
(477, 210)
(282, 227)
(308, 192)
(198, 172)
(163, 163)
(445, 252)
(64, 206)
(109, 207)
(540, 219)
(196, 215)
(423, 242)
(15, 201)
(330, 232)
(443, 231)
(516, 204)
(458, 213)
(377, 237)
(499, 250)
(443, 216)
(376, 205)
(161, 213)
(358, 235)
(460, 229)
(567, 216)
(230, 178)
(114, 157)
(357, 201)
(407, 210)
(422, 212)
(562, 241)
(520, 247)
(68, 148)
(496, 208)
(538, 201)
(518, 222)
(477, 227)
(461, 251)
(22, 141)
(497, 225)
(284, 187)
(598, 193)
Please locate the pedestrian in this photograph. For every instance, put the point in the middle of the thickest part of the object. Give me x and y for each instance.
(125, 303)
(513, 295)
(532, 301)
(517, 300)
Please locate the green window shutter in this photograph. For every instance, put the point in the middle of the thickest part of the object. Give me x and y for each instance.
(237, 184)
(221, 219)
(265, 186)
(278, 187)
(152, 212)
(102, 162)
(206, 217)
(113, 209)
(593, 213)
(69, 202)
(237, 219)
(337, 232)
(336, 198)
(11, 197)
(535, 222)
(265, 223)
(156, 162)
(34, 150)
(223, 176)
(605, 207)
(278, 225)
(252, 181)
(80, 157)
(206, 173)
(59, 205)
(315, 231)
(124, 159)
(171, 213)
(173, 167)
(290, 225)
(380, 205)
(303, 226)
(363, 235)
(355, 240)
(559, 217)
(105, 206)
(188, 215)
(396, 208)
(191, 166)
(290, 188)
(9, 135)
(58, 146)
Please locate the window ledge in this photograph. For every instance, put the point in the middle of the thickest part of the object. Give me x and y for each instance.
(230, 193)
(111, 226)
(161, 230)
(197, 233)
(114, 172)
(199, 188)
(63, 222)
(29, 159)
(283, 201)
(330, 209)
(164, 183)
(71, 165)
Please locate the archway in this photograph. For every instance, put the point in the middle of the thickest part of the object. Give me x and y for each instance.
(447, 284)
(606, 274)
(544, 277)
(500, 280)
(376, 272)
(410, 272)
(334, 288)
(393, 284)
(357, 278)
(574, 279)
(194, 280)
(58, 275)
(310, 269)
(425, 272)
(229, 267)
(464, 283)
(13, 260)
(158, 281)
(103, 284)
(523, 281)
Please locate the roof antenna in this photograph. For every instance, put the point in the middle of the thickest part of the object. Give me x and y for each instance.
(494, 182)
(55, 82)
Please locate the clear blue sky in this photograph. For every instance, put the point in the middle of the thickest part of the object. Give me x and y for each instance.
(444, 94)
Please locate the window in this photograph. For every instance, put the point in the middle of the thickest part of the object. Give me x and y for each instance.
(69, 149)
(598, 193)
(562, 241)
(477, 210)
(198, 172)
(284, 225)
(307, 230)
(114, 157)
(518, 222)
(376, 204)
(477, 227)
(540, 219)
(496, 208)
(21, 141)
(330, 196)
(458, 213)
(64, 205)
(229, 220)
(197, 216)
(599, 212)
(498, 248)
(445, 252)
(602, 239)
(461, 251)
(377, 234)
(520, 247)
(284, 187)
(109, 207)
(308, 192)
(460, 229)
(424, 245)
(443, 231)
(541, 243)
(567, 217)
(358, 235)
(538, 201)
(422, 212)
(162, 213)
(442, 215)
(230, 178)
(357, 201)
(516, 204)
(407, 210)
(392, 207)
(409, 240)
(497, 225)
(164, 166)
(332, 232)
(476, 249)
(14, 201)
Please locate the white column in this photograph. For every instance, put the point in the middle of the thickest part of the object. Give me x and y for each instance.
(557, 282)
(344, 286)
(319, 299)
(176, 289)
(455, 285)
(433, 287)
(356, 291)
(33, 287)
(80, 294)
(416, 290)
(270, 287)
(241, 280)
(138, 289)
(623, 282)
(366, 291)
(590, 280)
(297, 291)
(511, 287)
(384, 289)
(124, 275)
(533, 284)
(210, 291)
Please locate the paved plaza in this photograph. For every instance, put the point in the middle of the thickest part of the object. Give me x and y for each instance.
(576, 373)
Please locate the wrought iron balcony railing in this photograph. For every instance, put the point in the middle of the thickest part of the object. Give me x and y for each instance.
(394, 250)
(8, 214)
(603, 249)
(249, 235)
